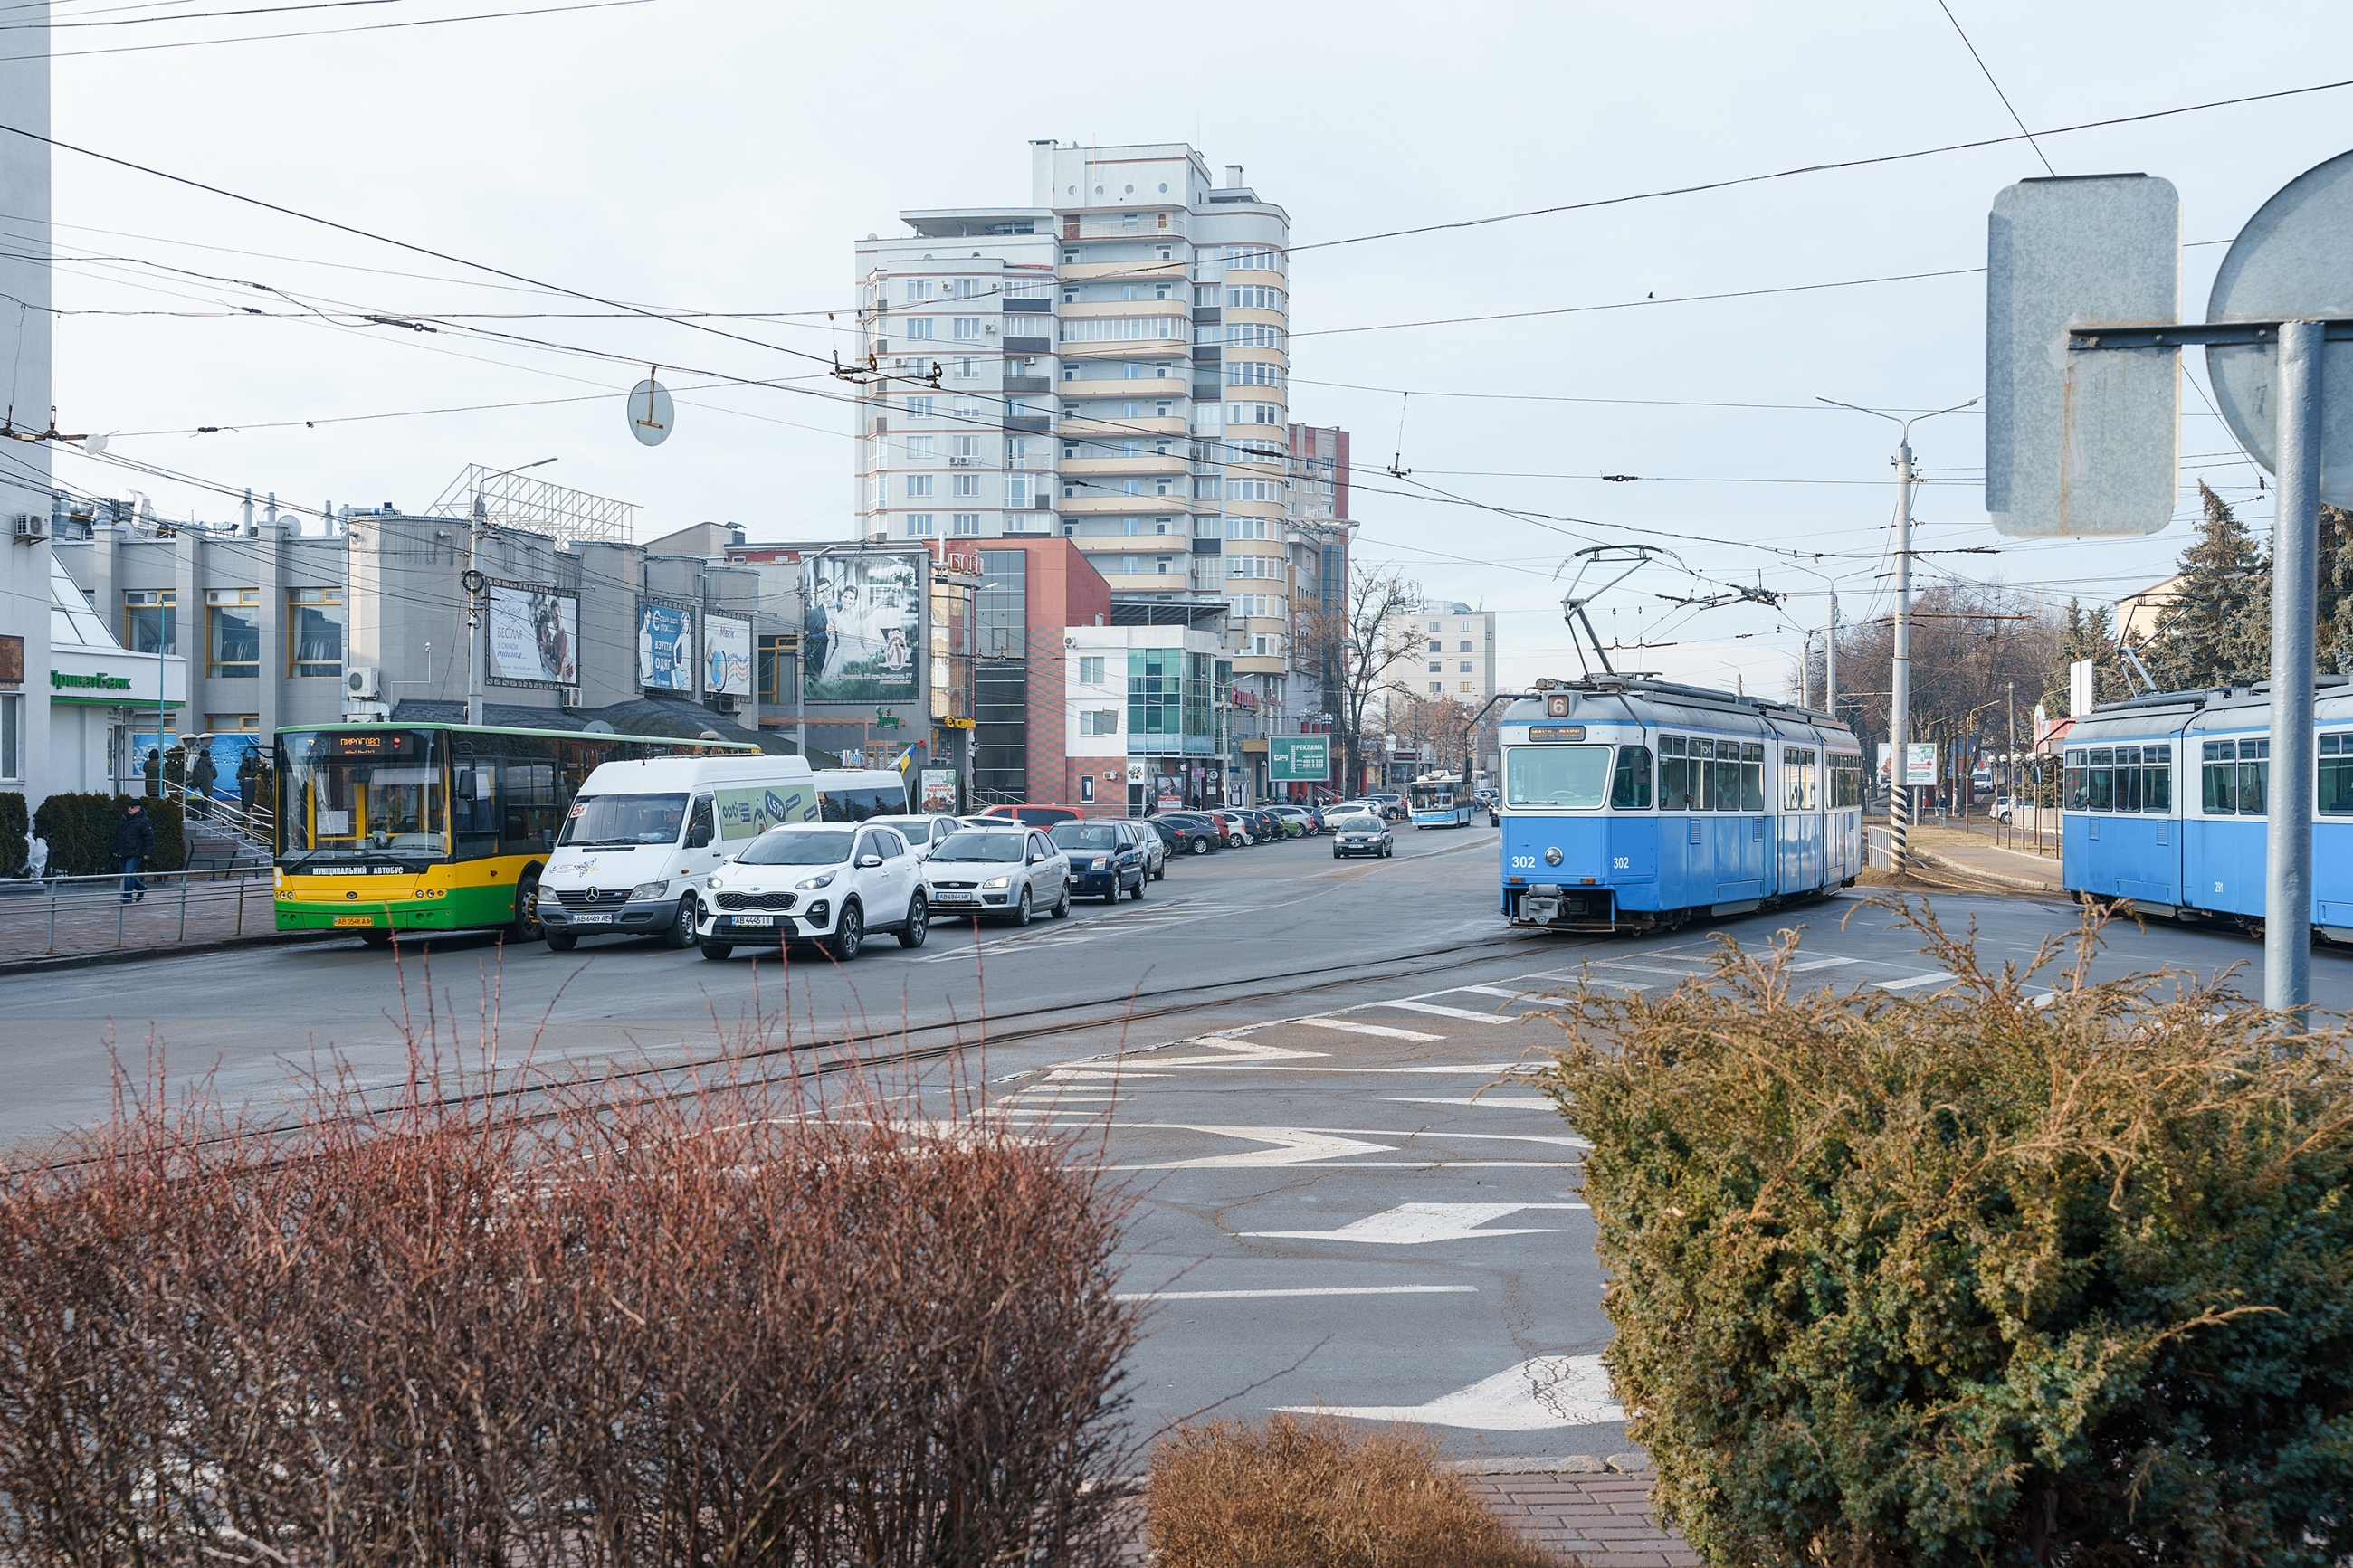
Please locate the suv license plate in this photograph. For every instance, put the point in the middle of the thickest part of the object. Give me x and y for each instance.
(752, 920)
(602, 919)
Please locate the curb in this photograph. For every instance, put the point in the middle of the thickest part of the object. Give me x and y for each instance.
(136, 954)
(1963, 868)
(1564, 1464)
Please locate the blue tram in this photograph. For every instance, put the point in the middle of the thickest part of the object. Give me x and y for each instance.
(1630, 804)
(2163, 801)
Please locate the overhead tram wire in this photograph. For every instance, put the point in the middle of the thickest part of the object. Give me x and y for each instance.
(326, 32)
(183, 17)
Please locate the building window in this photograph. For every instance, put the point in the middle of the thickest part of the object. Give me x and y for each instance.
(1438, 647)
(919, 484)
(1434, 666)
(12, 737)
(1090, 671)
(776, 675)
(919, 327)
(1466, 686)
(1436, 687)
(1099, 721)
(1019, 490)
(919, 448)
(1086, 789)
(965, 451)
(918, 289)
(1127, 564)
(967, 484)
(1466, 647)
(919, 525)
(151, 621)
(967, 327)
(965, 371)
(233, 639)
(232, 723)
(920, 407)
(314, 632)
(964, 523)
(1465, 668)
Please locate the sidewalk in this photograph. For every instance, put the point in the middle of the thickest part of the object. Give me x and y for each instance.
(79, 918)
(1600, 1519)
(1974, 852)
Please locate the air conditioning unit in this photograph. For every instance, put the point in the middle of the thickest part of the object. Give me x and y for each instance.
(362, 683)
(570, 696)
(30, 527)
(963, 462)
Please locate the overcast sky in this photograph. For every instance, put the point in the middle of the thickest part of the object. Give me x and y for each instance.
(720, 156)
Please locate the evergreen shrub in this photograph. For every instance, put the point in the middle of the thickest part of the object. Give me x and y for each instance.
(80, 831)
(15, 852)
(1984, 1276)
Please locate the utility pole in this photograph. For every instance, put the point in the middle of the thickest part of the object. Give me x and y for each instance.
(1899, 705)
(1806, 672)
(1829, 661)
(475, 585)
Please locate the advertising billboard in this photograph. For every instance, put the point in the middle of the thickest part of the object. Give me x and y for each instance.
(665, 648)
(726, 655)
(534, 636)
(1298, 758)
(939, 790)
(1919, 764)
(861, 627)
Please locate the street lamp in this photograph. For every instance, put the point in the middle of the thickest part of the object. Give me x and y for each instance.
(474, 583)
(1899, 706)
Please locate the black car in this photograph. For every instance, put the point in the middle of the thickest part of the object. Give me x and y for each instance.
(1107, 857)
(1186, 833)
(1265, 826)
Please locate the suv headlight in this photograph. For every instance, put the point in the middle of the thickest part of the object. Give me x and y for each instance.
(822, 879)
(1099, 862)
(998, 883)
(712, 882)
(649, 891)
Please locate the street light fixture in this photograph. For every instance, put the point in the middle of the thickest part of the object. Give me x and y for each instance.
(474, 582)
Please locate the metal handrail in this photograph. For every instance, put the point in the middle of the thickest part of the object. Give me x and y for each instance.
(215, 888)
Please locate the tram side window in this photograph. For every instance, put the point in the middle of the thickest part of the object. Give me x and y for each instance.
(2079, 785)
(1798, 786)
(2336, 774)
(1629, 785)
(1846, 780)
(1752, 776)
(2236, 777)
(2157, 778)
(1703, 774)
(1676, 788)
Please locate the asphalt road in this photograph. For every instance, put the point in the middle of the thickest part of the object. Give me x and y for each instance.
(1302, 1069)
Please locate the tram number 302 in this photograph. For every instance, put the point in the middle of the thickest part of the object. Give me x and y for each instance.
(1523, 862)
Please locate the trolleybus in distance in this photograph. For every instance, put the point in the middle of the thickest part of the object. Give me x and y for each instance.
(432, 827)
(2164, 801)
(1631, 803)
(1441, 800)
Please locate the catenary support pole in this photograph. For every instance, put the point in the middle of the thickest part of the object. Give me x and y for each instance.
(1899, 704)
(1829, 661)
(474, 614)
(2296, 543)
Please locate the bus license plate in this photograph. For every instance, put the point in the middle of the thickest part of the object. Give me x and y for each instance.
(356, 919)
(752, 920)
(602, 919)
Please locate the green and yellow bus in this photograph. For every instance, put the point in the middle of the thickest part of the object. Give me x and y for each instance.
(432, 827)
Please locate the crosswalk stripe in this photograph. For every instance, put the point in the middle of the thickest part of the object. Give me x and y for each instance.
(1931, 979)
(1512, 995)
(1436, 1011)
(1815, 963)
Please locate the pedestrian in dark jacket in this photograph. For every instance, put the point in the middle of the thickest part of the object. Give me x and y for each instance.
(248, 770)
(201, 775)
(134, 844)
(154, 768)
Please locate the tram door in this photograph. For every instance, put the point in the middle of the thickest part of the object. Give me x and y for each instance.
(1803, 838)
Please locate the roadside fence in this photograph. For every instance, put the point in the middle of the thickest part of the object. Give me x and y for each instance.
(59, 916)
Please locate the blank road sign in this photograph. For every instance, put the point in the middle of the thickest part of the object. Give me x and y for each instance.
(2087, 443)
(2294, 261)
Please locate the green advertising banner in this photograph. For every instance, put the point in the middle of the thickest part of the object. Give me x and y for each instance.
(748, 813)
(1299, 759)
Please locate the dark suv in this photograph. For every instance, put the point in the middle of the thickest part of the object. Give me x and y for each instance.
(1107, 857)
(1187, 834)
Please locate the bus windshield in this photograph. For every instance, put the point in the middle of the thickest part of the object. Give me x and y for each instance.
(1574, 778)
(1435, 796)
(364, 790)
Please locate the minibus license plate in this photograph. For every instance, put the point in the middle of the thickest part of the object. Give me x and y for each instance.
(602, 920)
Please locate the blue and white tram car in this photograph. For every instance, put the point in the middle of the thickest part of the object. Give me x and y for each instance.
(1630, 804)
(2164, 799)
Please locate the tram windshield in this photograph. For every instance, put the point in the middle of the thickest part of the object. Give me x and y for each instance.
(1572, 778)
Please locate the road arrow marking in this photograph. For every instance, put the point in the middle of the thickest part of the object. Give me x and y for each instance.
(1541, 1392)
(1410, 1225)
(1292, 1146)
(1355, 1029)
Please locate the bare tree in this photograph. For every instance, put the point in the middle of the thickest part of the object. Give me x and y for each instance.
(1971, 646)
(1361, 646)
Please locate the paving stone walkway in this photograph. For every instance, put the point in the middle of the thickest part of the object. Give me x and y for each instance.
(1600, 1520)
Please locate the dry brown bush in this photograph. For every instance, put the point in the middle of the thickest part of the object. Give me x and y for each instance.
(737, 1325)
(1317, 1493)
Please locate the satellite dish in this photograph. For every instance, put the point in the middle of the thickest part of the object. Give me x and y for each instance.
(650, 416)
(597, 727)
(2287, 264)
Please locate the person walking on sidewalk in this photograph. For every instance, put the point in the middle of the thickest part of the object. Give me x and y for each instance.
(248, 771)
(201, 775)
(134, 844)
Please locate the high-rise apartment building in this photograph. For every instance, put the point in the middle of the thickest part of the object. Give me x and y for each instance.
(1109, 362)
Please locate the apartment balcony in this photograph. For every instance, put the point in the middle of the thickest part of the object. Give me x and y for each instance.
(1018, 347)
(1126, 349)
(1142, 424)
(1153, 271)
(1092, 497)
(1137, 387)
(1028, 383)
(1142, 463)
(1028, 425)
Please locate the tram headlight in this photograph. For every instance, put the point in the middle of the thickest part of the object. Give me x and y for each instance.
(1552, 856)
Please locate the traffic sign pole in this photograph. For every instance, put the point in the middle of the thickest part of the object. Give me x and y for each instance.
(2295, 548)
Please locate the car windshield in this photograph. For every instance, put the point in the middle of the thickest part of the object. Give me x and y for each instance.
(609, 821)
(1357, 822)
(1085, 835)
(979, 846)
(794, 848)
